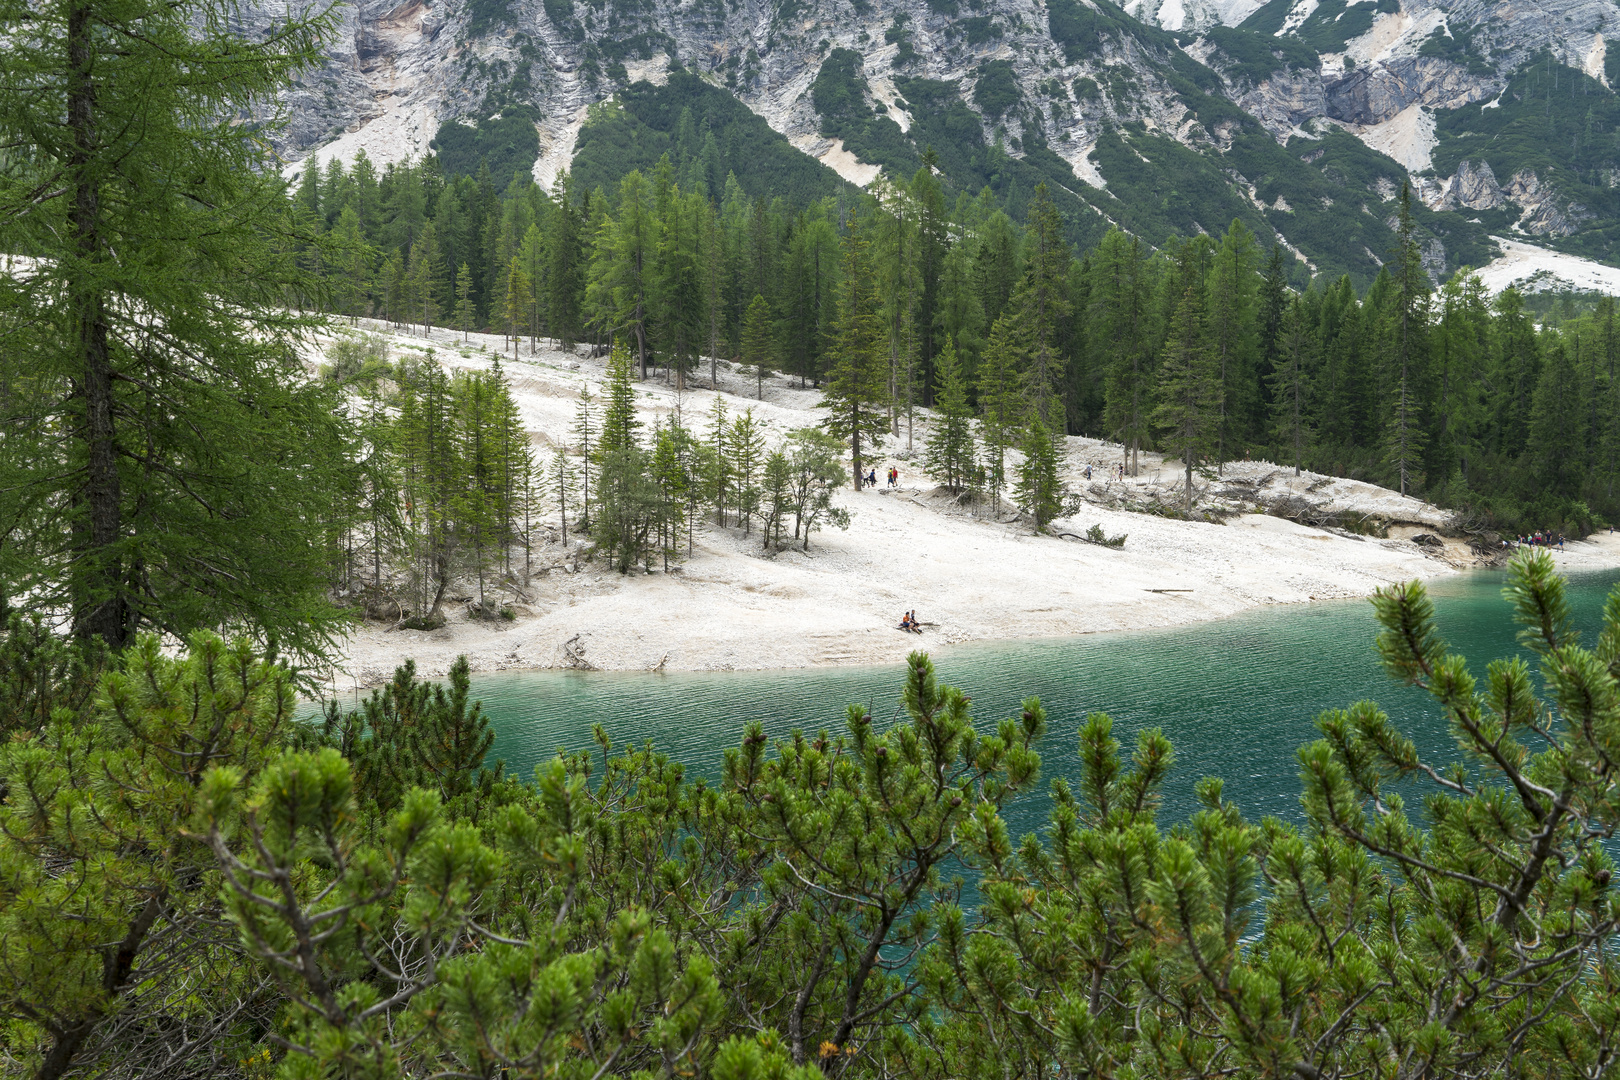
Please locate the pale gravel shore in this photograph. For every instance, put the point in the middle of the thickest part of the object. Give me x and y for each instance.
(733, 607)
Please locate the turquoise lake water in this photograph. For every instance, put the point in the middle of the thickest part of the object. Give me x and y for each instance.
(1237, 697)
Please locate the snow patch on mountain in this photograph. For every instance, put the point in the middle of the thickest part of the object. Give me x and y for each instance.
(655, 71)
(1233, 12)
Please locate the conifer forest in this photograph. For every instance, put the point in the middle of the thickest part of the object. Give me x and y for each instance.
(1200, 348)
(201, 878)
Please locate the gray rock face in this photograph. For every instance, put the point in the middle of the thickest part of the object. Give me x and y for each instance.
(1474, 186)
(399, 68)
(1545, 213)
(1434, 193)
(433, 59)
(1286, 101)
(1434, 260)
(1373, 95)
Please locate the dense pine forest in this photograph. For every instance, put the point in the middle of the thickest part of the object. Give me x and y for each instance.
(1199, 348)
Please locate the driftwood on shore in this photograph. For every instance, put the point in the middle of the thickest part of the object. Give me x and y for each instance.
(1094, 535)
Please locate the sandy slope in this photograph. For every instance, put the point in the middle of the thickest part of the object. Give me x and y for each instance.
(1529, 266)
(734, 606)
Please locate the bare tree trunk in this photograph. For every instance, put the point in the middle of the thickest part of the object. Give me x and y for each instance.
(101, 605)
(115, 969)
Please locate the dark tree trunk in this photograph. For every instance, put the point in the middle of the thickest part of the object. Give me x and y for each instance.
(100, 603)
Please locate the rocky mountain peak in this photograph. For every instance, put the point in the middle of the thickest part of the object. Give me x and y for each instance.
(1353, 98)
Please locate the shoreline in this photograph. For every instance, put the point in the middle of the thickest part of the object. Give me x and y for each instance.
(732, 606)
(585, 629)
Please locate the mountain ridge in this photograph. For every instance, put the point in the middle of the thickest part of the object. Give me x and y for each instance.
(1303, 119)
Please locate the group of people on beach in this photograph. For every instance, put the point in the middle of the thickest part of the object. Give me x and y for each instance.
(1541, 539)
(909, 623)
(1115, 472)
(871, 480)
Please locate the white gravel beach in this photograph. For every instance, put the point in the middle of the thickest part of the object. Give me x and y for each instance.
(734, 606)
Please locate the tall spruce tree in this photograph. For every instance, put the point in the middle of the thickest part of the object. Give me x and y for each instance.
(619, 421)
(426, 275)
(1003, 407)
(856, 394)
(757, 341)
(560, 480)
(671, 478)
(625, 274)
(745, 449)
(1230, 320)
(1272, 301)
(950, 458)
(587, 428)
(1557, 422)
(1041, 304)
(1459, 348)
(680, 284)
(776, 498)
(477, 505)
(519, 302)
(1121, 339)
(1038, 486)
(565, 270)
(1405, 436)
(532, 257)
(1290, 379)
(721, 469)
(1190, 390)
(466, 314)
(169, 469)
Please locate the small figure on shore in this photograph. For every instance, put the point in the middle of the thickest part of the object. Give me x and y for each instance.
(871, 478)
(909, 623)
(1088, 477)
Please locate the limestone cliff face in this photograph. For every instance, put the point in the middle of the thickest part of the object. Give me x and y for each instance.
(398, 69)
(1386, 85)
(1372, 96)
(1544, 212)
(1474, 186)
(1286, 101)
